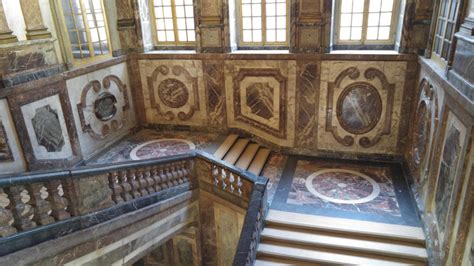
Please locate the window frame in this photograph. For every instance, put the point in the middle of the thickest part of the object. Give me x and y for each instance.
(176, 44)
(363, 42)
(263, 44)
(438, 58)
(66, 41)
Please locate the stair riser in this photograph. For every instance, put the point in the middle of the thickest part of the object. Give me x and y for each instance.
(339, 249)
(345, 233)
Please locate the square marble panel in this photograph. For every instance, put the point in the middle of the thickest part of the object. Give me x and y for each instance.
(11, 157)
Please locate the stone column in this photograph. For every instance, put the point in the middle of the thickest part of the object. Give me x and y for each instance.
(416, 27)
(310, 22)
(212, 20)
(128, 26)
(6, 35)
(35, 28)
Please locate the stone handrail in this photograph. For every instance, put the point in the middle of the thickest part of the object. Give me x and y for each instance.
(34, 205)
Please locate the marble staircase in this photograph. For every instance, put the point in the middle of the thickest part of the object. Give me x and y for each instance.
(301, 239)
(242, 153)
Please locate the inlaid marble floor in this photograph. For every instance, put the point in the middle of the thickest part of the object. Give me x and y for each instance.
(345, 189)
(148, 144)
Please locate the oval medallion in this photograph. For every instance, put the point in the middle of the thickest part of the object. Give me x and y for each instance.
(104, 106)
(173, 93)
(359, 108)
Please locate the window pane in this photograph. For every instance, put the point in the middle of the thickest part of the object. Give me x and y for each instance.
(387, 5)
(358, 6)
(159, 12)
(346, 20)
(169, 24)
(179, 2)
(246, 23)
(190, 23)
(357, 20)
(281, 35)
(374, 5)
(385, 19)
(160, 24)
(373, 19)
(345, 33)
(161, 36)
(281, 22)
(256, 10)
(271, 35)
(247, 36)
(271, 24)
(257, 35)
(182, 37)
(180, 12)
(167, 12)
(372, 33)
(189, 11)
(356, 33)
(384, 33)
(246, 10)
(166, 2)
(281, 9)
(271, 10)
(257, 23)
(346, 6)
(181, 22)
(191, 35)
(170, 36)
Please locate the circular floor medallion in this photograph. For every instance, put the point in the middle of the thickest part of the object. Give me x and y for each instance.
(161, 148)
(342, 186)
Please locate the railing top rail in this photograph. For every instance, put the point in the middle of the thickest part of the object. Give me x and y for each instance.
(42, 176)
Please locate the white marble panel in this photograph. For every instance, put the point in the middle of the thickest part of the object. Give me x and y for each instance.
(18, 163)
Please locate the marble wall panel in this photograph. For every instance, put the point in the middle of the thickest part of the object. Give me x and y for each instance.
(102, 107)
(174, 92)
(360, 106)
(261, 98)
(45, 126)
(228, 227)
(215, 93)
(11, 157)
(448, 176)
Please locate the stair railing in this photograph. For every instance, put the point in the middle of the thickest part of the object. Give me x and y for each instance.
(34, 205)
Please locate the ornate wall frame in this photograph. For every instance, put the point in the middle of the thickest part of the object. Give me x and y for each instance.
(111, 124)
(353, 73)
(182, 75)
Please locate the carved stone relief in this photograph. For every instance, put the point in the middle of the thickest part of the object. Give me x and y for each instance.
(48, 129)
(5, 151)
(100, 111)
(260, 97)
(362, 113)
(172, 90)
(215, 92)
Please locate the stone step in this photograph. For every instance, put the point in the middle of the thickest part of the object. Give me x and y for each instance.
(247, 157)
(348, 243)
(225, 146)
(401, 233)
(323, 256)
(259, 161)
(233, 155)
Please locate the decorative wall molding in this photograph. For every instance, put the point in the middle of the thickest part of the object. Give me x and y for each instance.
(5, 150)
(214, 81)
(362, 94)
(172, 88)
(260, 99)
(98, 108)
(307, 95)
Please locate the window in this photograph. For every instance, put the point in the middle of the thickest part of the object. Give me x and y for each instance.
(263, 23)
(366, 22)
(86, 28)
(174, 22)
(445, 29)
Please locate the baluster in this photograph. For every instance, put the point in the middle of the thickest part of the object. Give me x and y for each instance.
(164, 177)
(179, 172)
(126, 187)
(132, 180)
(40, 206)
(21, 211)
(224, 179)
(150, 181)
(186, 172)
(175, 174)
(5, 217)
(231, 182)
(215, 174)
(239, 186)
(117, 190)
(142, 182)
(59, 203)
(156, 178)
(169, 176)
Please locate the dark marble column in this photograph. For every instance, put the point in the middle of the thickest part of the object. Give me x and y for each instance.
(6, 35)
(310, 28)
(462, 72)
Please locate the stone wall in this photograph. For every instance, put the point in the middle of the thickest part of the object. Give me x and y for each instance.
(303, 104)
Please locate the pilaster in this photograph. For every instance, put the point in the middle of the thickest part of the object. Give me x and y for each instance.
(35, 28)
(6, 35)
(213, 26)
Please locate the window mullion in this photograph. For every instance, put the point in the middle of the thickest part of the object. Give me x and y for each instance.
(86, 27)
(175, 23)
(264, 22)
(76, 30)
(365, 18)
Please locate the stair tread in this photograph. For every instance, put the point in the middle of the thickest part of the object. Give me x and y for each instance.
(345, 242)
(347, 226)
(259, 161)
(225, 146)
(246, 158)
(294, 252)
(236, 150)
